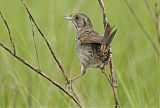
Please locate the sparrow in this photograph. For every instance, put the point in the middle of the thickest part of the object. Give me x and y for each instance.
(92, 48)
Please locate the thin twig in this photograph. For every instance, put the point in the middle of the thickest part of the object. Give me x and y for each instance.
(105, 19)
(35, 45)
(157, 23)
(155, 17)
(113, 83)
(9, 32)
(45, 39)
(149, 37)
(40, 72)
(48, 45)
(75, 95)
(112, 80)
(75, 99)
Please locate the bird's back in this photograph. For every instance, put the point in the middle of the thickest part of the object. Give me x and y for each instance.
(90, 54)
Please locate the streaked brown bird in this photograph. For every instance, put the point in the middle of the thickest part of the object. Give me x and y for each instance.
(93, 49)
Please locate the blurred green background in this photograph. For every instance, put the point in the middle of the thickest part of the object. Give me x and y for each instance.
(136, 64)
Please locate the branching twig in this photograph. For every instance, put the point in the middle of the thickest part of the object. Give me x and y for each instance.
(48, 45)
(112, 80)
(45, 39)
(40, 72)
(149, 37)
(9, 32)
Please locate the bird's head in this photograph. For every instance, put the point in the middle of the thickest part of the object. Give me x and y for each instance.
(79, 20)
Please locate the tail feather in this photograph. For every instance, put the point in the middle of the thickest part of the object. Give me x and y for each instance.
(108, 37)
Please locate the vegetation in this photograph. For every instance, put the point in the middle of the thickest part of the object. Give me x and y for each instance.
(136, 63)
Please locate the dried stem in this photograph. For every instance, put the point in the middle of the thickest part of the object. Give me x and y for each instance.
(149, 37)
(105, 19)
(73, 92)
(35, 45)
(112, 80)
(113, 83)
(45, 39)
(155, 17)
(157, 22)
(48, 45)
(9, 32)
(40, 72)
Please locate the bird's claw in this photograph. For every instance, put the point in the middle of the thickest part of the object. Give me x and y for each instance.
(113, 82)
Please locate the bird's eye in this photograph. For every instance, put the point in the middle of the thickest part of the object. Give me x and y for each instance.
(76, 17)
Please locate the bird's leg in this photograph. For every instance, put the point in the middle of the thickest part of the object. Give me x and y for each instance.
(83, 71)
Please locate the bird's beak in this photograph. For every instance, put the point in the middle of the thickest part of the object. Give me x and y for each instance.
(67, 17)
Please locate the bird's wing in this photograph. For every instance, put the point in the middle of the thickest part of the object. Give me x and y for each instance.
(91, 38)
(94, 37)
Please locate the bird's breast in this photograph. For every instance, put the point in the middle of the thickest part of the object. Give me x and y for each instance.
(87, 54)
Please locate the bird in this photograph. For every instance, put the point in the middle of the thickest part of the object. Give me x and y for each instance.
(93, 49)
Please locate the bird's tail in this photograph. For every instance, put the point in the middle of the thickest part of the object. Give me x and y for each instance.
(108, 37)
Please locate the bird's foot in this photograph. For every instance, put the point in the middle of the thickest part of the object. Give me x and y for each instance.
(113, 82)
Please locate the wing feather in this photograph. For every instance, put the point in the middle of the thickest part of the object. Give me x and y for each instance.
(94, 37)
(90, 38)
